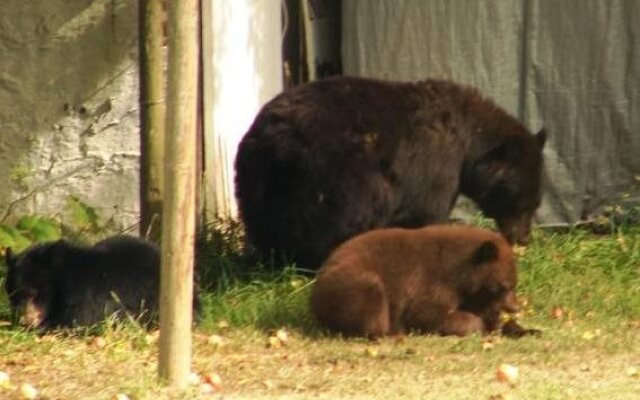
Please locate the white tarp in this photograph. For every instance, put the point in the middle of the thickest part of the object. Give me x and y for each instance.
(572, 66)
(242, 71)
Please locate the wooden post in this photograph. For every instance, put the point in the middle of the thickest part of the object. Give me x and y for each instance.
(152, 116)
(212, 161)
(178, 226)
(309, 40)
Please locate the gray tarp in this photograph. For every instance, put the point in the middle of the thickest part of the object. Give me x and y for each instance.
(572, 66)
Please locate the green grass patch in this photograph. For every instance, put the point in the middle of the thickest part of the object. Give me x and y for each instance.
(581, 289)
(267, 301)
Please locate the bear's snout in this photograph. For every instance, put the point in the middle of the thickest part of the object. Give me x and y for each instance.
(516, 230)
(510, 303)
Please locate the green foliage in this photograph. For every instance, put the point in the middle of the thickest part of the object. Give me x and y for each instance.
(11, 237)
(84, 218)
(39, 229)
(267, 301)
(595, 275)
(28, 230)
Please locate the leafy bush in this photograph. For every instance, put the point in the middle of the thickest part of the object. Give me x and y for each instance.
(28, 230)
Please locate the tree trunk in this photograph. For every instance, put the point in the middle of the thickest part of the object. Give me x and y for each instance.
(152, 116)
(178, 220)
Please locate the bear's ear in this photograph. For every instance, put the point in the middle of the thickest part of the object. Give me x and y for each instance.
(9, 258)
(541, 137)
(487, 252)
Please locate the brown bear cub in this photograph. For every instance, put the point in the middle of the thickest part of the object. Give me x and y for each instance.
(443, 279)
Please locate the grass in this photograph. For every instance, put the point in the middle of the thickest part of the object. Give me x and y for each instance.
(582, 290)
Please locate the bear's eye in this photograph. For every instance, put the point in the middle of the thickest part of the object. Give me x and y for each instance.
(499, 290)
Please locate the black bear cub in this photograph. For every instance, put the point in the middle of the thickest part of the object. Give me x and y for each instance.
(59, 284)
(442, 279)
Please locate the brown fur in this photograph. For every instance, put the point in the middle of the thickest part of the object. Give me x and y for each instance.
(444, 279)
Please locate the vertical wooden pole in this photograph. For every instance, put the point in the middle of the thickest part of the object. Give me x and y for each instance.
(211, 159)
(309, 39)
(152, 115)
(178, 226)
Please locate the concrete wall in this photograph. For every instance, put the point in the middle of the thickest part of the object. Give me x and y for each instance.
(69, 121)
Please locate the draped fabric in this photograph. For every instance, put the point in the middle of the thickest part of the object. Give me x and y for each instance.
(572, 66)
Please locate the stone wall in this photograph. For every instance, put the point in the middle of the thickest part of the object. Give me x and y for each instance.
(69, 121)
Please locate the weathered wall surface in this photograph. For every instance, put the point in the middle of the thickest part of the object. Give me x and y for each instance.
(69, 121)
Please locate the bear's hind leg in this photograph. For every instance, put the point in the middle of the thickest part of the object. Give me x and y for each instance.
(353, 305)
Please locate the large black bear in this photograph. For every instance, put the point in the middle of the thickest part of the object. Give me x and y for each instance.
(449, 280)
(59, 284)
(330, 159)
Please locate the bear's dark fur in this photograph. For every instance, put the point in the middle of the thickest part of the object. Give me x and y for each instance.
(58, 284)
(443, 279)
(330, 159)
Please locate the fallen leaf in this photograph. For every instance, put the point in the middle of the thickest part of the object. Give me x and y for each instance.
(5, 380)
(507, 373)
(121, 396)
(194, 378)
(206, 388)
(215, 341)
(273, 342)
(519, 250)
(487, 345)
(27, 391)
(152, 337)
(371, 352)
(499, 396)
(590, 335)
(214, 380)
(282, 335)
(633, 372)
(98, 342)
(557, 312)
